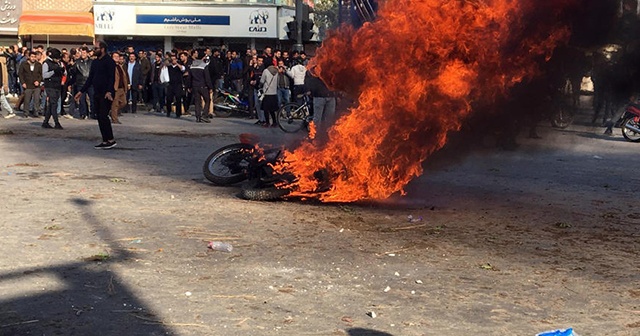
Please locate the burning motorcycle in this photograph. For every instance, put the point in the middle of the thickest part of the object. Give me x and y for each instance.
(245, 161)
(226, 103)
(630, 123)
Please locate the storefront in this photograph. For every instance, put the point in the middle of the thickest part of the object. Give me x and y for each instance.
(171, 25)
(10, 11)
(56, 23)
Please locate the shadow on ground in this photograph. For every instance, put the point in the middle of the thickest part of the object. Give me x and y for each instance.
(77, 298)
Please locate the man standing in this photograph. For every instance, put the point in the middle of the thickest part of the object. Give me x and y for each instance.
(52, 72)
(216, 69)
(135, 82)
(30, 74)
(121, 86)
(174, 90)
(145, 66)
(82, 67)
(324, 101)
(157, 86)
(102, 79)
(199, 84)
(4, 90)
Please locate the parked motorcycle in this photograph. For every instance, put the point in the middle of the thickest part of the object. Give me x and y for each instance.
(226, 103)
(245, 161)
(630, 123)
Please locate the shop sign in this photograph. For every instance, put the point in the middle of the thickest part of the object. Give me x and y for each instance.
(185, 21)
(10, 11)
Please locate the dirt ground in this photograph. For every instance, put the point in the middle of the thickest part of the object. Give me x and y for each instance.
(503, 243)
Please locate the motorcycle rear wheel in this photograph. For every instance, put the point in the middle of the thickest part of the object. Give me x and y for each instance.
(629, 134)
(229, 164)
(220, 112)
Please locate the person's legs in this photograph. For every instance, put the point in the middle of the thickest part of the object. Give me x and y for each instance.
(36, 101)
(53, 96)
(119, 101)
(318, 108)
(135, 96)
(5, 104)
(92, 97)
(197, 102)
(169, 100)
(28, 96)
(102, 107)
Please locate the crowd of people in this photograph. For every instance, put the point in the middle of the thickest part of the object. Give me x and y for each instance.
(164, 82)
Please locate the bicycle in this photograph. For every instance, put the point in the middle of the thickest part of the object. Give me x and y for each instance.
(292, 117)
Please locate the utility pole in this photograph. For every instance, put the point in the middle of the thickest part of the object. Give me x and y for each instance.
(299, 46)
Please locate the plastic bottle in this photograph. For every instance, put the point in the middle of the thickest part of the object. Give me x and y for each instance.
(220, 246)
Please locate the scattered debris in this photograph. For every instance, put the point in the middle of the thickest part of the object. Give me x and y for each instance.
(220, 246)
(597, 157)
(188, 293)
(563, 225)
(98, 257)
(117, 180)
(488, 267)
(53, 227)
(567, 332)
(412, 219)
(137, 241)
(419, 282)
(387, 289)
(347, 319)
(6, 132)
(18, 323)
(25, 164)
(341, 230)
(372, 314)
(396, 274)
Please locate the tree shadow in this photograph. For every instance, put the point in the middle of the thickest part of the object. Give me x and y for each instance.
(76, 298)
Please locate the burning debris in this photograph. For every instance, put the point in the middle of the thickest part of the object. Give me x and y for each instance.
(417, 71)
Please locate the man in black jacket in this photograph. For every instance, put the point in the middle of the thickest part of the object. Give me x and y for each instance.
(199, 84)
(174, 90)
(52, 72)
(102, 79)
(216, 70)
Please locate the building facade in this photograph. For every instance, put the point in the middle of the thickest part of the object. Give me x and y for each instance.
(235, 24)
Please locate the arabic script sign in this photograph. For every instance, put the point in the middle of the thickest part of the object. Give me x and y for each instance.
(174, 20)
(10, 11)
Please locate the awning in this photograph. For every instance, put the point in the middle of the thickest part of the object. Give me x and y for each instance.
(56, 23)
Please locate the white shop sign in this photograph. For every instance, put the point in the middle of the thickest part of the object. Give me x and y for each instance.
(185, 21)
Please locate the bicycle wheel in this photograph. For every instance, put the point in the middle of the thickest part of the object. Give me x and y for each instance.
(292, 117)
(228, 165)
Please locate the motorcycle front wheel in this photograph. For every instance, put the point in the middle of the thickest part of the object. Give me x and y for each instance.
(221, 112)
(630, 127)
(229, 164)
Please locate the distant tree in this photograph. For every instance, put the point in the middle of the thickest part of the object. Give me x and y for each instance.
(326, 16)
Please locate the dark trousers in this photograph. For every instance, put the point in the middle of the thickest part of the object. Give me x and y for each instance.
(133, 96)
(174, 92)
(102, 108)
(187, 98)
(158, 96)
(270, 106)
(199, 94)
(51, 108)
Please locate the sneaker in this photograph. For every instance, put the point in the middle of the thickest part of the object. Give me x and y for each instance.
(68, 116)
(10, 115)
(205, 120)
(105, 145)
(46, 125)
(57, 126)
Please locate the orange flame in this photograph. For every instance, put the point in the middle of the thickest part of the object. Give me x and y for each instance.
(416, 71)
